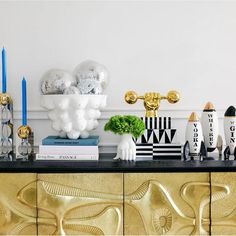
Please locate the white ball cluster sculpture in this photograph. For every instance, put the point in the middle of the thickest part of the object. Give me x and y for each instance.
(74, 100)
(73, 116)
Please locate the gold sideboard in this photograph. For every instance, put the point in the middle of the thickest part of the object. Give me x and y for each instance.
(118, 203)
(80, 204)
(223, 206)
(18, 204)
(167, 204)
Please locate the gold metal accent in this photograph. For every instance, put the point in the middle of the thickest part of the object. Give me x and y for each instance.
(80, 204)
(18, 204)
(151, 100)
(223, 213)
(154, 205)
(24, 131)
(209, 106)
(74, 204)
(5, 99)
(193, 117)
(162, 220)
(173, 96)
(198, 202)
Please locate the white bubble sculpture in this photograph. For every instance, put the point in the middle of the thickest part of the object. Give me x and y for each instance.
(74, 115)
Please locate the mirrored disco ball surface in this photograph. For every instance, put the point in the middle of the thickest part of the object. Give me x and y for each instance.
(56, 81)
(91, 77)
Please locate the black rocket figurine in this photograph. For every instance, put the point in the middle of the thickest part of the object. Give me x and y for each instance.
(230, 132)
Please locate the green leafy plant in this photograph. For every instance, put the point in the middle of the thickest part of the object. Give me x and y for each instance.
(125, 125)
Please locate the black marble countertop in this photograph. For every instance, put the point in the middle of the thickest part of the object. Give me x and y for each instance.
(107, 164)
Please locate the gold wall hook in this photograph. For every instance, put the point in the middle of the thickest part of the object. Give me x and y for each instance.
(152, 100)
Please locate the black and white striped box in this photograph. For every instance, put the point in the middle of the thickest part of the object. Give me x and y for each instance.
(167, 151)
(158, 151)
(157, 122)
(158, 136)
(144, 151)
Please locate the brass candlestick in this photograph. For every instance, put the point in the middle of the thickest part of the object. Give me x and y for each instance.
(25, 143)
(152, 100)
(6, 116)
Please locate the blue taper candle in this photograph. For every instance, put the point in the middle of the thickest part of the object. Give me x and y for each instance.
(4, 72)
(24, 103)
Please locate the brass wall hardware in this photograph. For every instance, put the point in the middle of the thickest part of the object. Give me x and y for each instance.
(152, 100)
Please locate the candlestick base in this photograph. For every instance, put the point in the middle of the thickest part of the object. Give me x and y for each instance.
(6, 129)
(24, 143)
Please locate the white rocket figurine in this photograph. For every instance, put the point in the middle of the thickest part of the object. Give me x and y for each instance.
(210, 127)
(230, 132)
(194, 145)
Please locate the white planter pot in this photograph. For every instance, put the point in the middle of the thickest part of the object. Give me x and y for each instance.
(126, 149)
(74, 115)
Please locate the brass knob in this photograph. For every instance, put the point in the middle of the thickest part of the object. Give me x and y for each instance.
(131, 97)
(24, 131)
(5, 99)
(173, 96)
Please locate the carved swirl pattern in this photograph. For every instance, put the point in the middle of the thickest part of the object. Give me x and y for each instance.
(160, 213)
(3, 215)
(60, 206)
(58, 210)
(59, 200)
(162, 220)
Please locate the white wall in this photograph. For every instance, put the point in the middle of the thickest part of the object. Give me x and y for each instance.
(189, 46)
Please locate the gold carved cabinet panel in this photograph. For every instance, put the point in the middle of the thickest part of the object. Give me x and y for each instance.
(223, 207)
(18, 204)
(80, 204)
(166, 204)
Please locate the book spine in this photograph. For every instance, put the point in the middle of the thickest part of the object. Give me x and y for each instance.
(66, 157)
(70, 143)
(68, 150)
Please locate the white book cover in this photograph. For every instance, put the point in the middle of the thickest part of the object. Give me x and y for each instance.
(91, 157)
(68, 150)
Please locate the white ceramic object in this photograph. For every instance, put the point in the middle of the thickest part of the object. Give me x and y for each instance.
(210, 127)
(194, 134)
(230, 128)
(126, 149)
(74, 115)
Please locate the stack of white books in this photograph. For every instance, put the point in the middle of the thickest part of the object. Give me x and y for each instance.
(56, 148)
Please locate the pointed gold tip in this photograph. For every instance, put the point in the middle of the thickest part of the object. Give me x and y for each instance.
(193, 117)
(209, 106)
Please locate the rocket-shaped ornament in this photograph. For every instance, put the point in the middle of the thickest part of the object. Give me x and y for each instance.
(210, 127)
(230, 132)
(194, 145)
